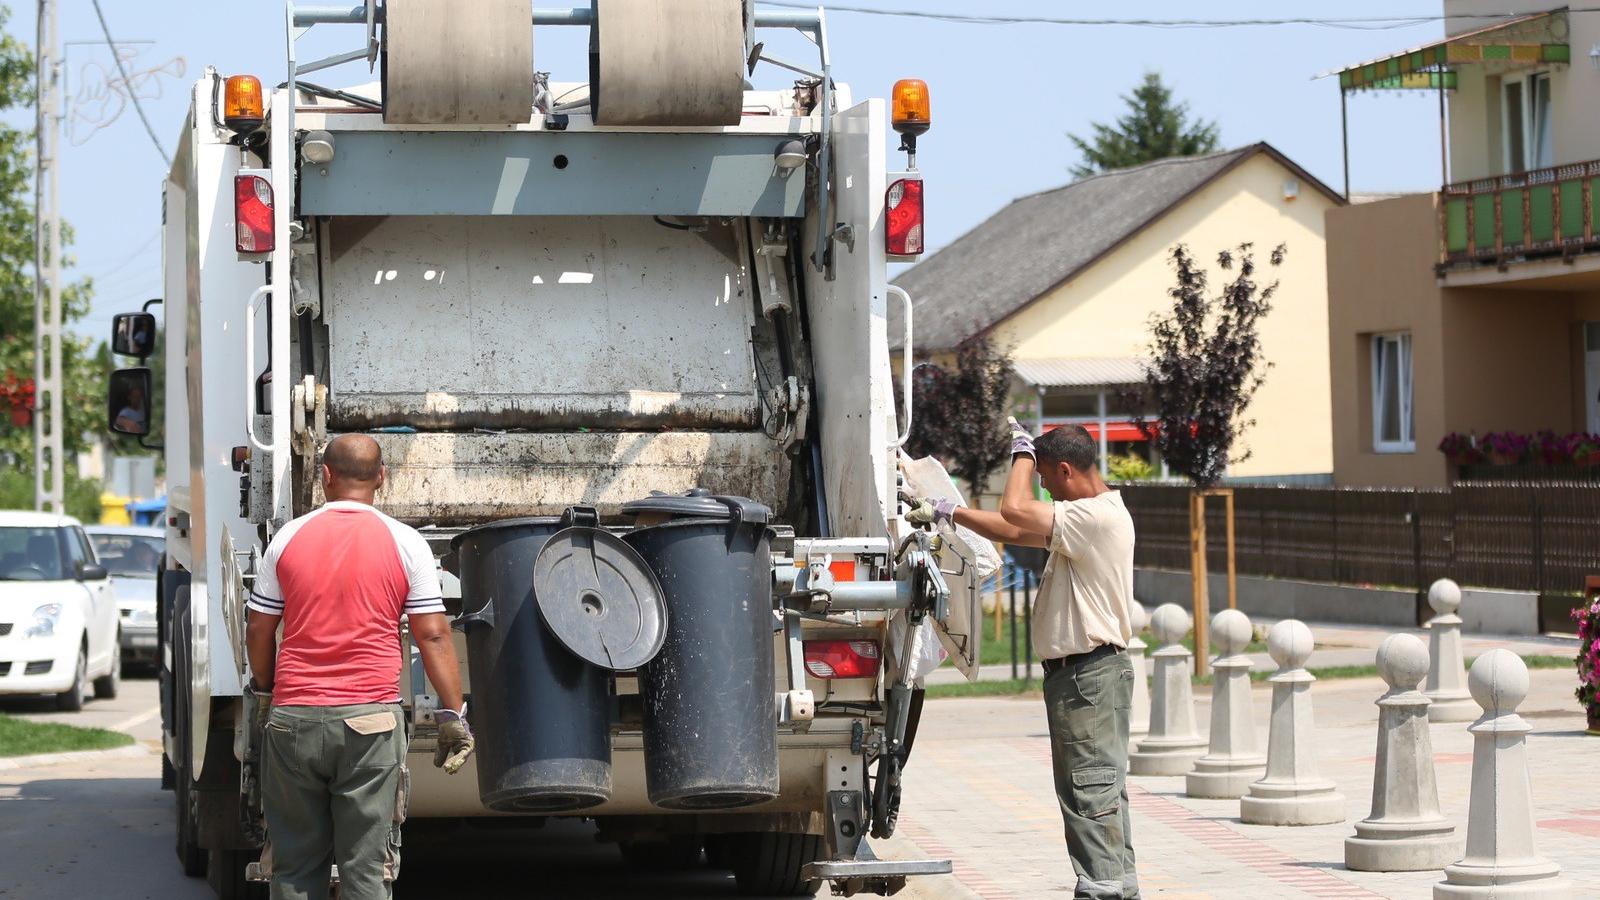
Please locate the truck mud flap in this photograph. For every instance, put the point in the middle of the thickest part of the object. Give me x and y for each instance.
(884, 877)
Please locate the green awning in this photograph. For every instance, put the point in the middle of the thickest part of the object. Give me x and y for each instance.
(1531, 40)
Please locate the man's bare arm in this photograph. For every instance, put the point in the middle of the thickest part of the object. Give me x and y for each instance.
(993, 526)
(261, 645)
(1020, 509)
(431, 632)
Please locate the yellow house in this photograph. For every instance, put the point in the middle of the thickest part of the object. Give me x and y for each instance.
(1069, 279)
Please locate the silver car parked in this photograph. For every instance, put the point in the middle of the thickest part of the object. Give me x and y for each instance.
(132, 554)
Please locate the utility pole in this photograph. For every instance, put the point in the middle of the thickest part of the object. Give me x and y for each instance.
(48, 466)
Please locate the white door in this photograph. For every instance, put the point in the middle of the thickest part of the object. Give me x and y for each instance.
(1591, 376)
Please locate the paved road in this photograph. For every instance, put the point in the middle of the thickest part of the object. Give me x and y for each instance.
(979, 790)
(104, 829)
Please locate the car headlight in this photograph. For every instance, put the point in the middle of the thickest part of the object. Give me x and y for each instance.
(44, 621)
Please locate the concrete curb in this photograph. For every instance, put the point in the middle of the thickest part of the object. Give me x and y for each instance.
(11, 763)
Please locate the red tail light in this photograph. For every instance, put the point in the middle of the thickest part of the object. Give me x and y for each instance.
(904, 202)
(252, 212)
(842, 659)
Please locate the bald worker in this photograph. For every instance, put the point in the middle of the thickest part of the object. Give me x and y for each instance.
(334, 781)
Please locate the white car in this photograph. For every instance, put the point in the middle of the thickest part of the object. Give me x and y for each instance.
(132, 554)
(58, 619)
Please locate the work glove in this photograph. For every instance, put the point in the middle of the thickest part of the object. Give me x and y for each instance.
(1021, 440)
(929, 510)
(455, 742)
(263, 707)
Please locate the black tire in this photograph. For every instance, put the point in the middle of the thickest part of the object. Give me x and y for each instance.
(105, 687)
(169, 778)
(768, 864)
(225, 874)
(71, 699)
(187, 844)
(676, 853)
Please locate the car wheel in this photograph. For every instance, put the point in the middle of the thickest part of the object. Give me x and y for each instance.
(71, 699)
(105, 687)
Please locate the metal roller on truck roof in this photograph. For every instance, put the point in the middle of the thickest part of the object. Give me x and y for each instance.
(444, 66)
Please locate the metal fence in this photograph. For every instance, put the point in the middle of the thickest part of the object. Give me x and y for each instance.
(1524, 536)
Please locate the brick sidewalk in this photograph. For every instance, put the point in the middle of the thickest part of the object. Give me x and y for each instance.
(979, 790)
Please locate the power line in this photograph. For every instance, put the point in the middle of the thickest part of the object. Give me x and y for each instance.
(132, 257)
(1367, 23)
(132, 93)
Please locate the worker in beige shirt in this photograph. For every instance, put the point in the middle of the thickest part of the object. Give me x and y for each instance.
(1081, 630)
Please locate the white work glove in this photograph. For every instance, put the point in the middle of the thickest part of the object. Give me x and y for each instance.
(930, 510)
(455, 743)
(1021, 440)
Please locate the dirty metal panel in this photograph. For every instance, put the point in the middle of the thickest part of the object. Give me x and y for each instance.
(568, 322)
(463, 479)
(551, 173)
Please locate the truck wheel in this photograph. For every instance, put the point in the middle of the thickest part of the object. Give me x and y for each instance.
(105, 687)
(768, 864)
(721, 850)
(71, 699)
(190, 854)
(677, 853)
(225, 874)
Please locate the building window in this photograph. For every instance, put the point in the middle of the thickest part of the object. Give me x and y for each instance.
(1525, 123)
(1393, 428)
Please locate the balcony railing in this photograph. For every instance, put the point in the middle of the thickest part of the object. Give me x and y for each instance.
(1541, 212)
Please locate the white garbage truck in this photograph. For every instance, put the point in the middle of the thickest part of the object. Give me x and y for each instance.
(622, 341)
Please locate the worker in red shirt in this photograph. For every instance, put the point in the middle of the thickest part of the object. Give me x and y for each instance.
(334, 779)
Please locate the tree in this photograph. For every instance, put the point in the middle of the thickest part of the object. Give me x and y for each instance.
(959, 412)
(83, 388)
(1154, 128)
(1205, 364)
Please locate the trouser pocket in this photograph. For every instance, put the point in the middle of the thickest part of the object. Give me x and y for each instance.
(1094, 791)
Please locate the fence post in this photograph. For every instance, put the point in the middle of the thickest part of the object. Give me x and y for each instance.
(1416, 552)
(1333, 529)
(1011, 585)
(1537, 524)
(1027, 627)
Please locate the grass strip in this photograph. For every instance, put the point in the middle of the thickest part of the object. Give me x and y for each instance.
(22, 737)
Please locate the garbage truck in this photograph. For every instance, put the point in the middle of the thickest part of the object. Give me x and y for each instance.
(623, 342)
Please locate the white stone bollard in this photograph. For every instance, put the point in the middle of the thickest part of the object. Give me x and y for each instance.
(1291, 793)
(1501, 860)
(1405, 832)
(1446, 688)
(1233, 761)
(1172, 745)
(1139, 715)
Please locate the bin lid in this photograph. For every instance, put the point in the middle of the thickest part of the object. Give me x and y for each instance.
(700, 503)
(599, 598)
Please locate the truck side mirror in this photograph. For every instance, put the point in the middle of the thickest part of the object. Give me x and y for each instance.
(133, 334)
(128, 401)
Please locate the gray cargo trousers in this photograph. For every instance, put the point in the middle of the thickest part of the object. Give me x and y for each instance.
(333, 787)
(1087, 701)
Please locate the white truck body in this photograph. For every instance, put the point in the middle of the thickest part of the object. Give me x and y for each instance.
(526, 318)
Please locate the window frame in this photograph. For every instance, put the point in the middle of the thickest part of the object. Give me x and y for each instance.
(1528, 122)
(1406, 414)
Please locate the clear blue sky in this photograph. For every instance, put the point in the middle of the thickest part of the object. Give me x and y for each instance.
(1004, 97)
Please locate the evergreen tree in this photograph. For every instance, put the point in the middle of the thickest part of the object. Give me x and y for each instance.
(1154, 128)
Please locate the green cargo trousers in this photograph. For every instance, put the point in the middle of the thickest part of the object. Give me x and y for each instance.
(1087, 701)
(333, 787)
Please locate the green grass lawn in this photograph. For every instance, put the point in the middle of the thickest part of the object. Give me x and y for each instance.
(998, 650)
(1012, 687)
(20, 737)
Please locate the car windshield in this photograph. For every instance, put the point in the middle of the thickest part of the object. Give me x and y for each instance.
(30, 554)
(129, 554)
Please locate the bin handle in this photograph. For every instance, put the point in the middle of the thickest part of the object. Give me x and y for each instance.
(584, 516)
(485, 617)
